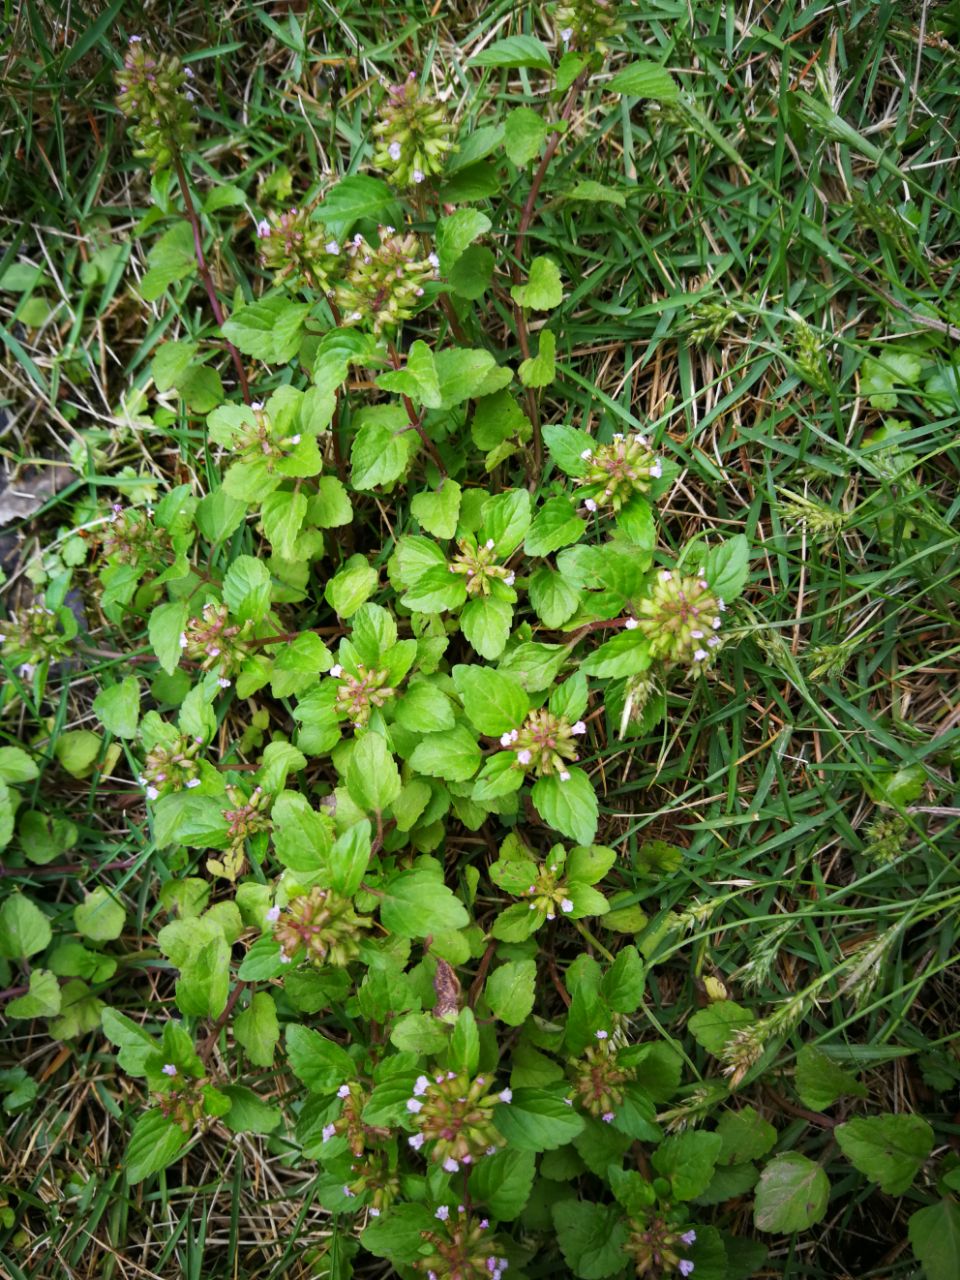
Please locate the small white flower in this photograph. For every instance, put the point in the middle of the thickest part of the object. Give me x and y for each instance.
(414, 1105)
(697, 635)
(332, 247)
(327, 1132)
(721, 606)
(418, 175)
(187, 71)
(551, 916)
(713, 642)
(566, 905)
(617, 437)
(223, 682)
(489, 544)
(336, 671)
(169, 1069)
(273, 915)
(348, 1193)
(631, 624)
(689, 1237)
(257, 406)
(183, 640)
(700, 655)
(421, 1085)
(263, 228)
(590, 504)
(395, 150)
(524, 756)
(190, 95)
(295, 439)
(152, 793)
(505, 1095)
(284, 958)
(192, 782)
(134, 39)
(715, 624)
(566, 34)
(587, 454)
(416, 1141)
(374, 1213)
(602, 1035)
(656, 471)
(343, 1091)
(433, 260)
(564, 775)
(388, 230)
(507, 738)
(214, 651)
(443, 1213)
(578, 728)
(533, 906)
(665, 575)
(450, 1165)
(510, 579)
(607, 1117)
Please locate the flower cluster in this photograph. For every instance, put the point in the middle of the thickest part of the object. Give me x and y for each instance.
(617, 471)
(599, 1078)
(655, 1246)
(588, 24)
(172, 766)
(359, 694)
(544, 744)
(132, 536)
(248, 817)
(462, 1249)
(323, 924)
(185, 1102)
(455, 1114)
(36, 634)
(549, 892)
(413, 134)
(254, 443)
(478, 565)
(371, 1175)
(215, 642)
(298, 250)
(384, 282)
(680, 618)
(156, 92)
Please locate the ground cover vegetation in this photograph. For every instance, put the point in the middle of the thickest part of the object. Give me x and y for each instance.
(478, 730)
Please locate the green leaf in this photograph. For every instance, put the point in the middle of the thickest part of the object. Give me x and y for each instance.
(16, 766)
(424, 709)
(792, 1194)
(383, 446)
(554, 600)
(100, 917)
(419, 1033)
(171, 259)
(317, 1062)
(463, 1051)
(506, 519)
(283, 513)
(820, 1082)
(645, 80)
(373, 779)
(257, 1029)
(514, 51)
(537, 1120)
(714, 1026)
(464, 372)
(623, 984)
(351, 587)
(336, 352)
(438, 512)
(569, 807)
(556, 525)
(349, 859)
(745, 1135)
(134, 1044)
(355, 199)
(934, 1234)
(118, 708)
(43, 1000)
(269, 329)
(888, 1149)
(486, 624)
(452, 755)
(246, 589)
(596, 193)
(330, 506)
(248, 1113)
(24, 929)
(510, 991)
(77, 751)
(592, 1238)
(543, 290)
(688, 1160)
(540, 370)
(471, 274)
(502, 1183)
(415, 904)
(627, 654)
(455, 233)
(155, 1142)
(524, 132)
(535, 666)
(726, 566)
(398, 1233)
(493, 701)
(566, 446)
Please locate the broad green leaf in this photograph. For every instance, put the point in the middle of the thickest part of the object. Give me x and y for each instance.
(471, 274)
(317, 1061)
(687, 1160)
(417, 379)
(514, 51)
(540, 370)
(592, 1238)
(524, 133)
(438, 512)
(745, 1135)
(257, 1029)
(596, 193)
(419, 1033)
(24, 929)
(555, 525)
(493, 701)
(935, 1239)
(510, 991)
(452, 755)
(624, 982)
(714, 1026)
(645, 80)
(888, 1149)
(820, 1081)
(270, 329)
(100, 916)
(248, 1113)
(134, 1045)
(16, 766)
(726, 566)
(537, 1120)
(569, 807)
(172, 258)
(458, 231)
(398, 1233)
(383, 446)
(43, 999)
(486, 624)
(543, 290)
(117, 708)
(627, 654)
(792, 1194)
(424, 709)
(415, 905)
(373, 779)
(535, 666)
(506, 519)
(283, 513)
(463, 1051)
(351, 587)
(77, 750)
(502, 1183)
(155, 1142)
(246, 589)
(359, 198)
(554, 600)
(349, 858)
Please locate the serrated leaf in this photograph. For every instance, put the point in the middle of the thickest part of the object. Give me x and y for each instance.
(524, 132)
(493, 701)
(645, 80)
(540, 370)
(512, 52)
(510, 991)
(792, 1194)
(415, 905)
(543, 290)
(438, 512)
(373, 779)
(569, 807)
(456, 233)
(155, 1142)
(888, 1149)
(269, 329)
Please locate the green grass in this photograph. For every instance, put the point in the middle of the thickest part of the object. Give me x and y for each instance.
(807, 193)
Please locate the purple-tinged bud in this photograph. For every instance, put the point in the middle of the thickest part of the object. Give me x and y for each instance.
(169, 1069)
